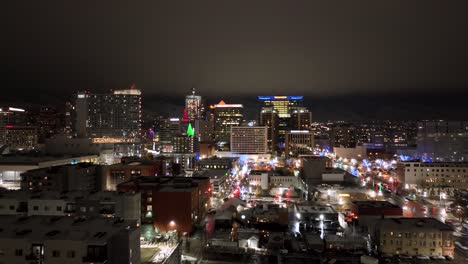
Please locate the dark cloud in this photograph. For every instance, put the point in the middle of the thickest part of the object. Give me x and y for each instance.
(316, 48)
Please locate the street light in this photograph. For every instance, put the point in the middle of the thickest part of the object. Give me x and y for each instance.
(298, 215)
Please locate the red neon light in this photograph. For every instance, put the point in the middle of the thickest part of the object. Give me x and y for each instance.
(9, 126)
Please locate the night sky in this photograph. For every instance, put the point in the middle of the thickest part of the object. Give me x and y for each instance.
(348, 57)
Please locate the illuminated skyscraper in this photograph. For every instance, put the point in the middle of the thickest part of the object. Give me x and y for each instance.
(249, 139)
(226, 116)
(299, 142)
(194, 106)
(115, 115)
(15, 130)
(284, 106)
(269, 118)
(301, 119)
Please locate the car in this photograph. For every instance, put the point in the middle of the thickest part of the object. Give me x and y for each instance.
(437, 257)
(303, 248)
(449, 257)
(404, 257)
(298, 235)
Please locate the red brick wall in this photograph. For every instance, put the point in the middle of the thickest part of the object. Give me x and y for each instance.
(172, 206)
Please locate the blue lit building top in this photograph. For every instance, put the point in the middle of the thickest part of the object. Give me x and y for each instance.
(279, 98)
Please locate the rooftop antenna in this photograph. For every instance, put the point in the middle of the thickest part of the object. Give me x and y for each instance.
(193, 91)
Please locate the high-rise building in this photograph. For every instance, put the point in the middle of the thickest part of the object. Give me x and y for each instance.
(194, 106)
(15, 130)
(301, 119)
(269, 118)
(249, 139)
(204, 130)
(114, 115)
(186, 142)
(284, 105)
(169, 128)
(225, 117)
(48, 122)
(299, 142)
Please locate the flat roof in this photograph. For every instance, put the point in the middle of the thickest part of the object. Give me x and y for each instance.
(40, 228)
(423, 223)
(375, 204)
(316, 209)
(36, 160)
(67, 196)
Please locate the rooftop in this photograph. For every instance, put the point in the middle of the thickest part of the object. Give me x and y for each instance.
(37, 159)
(375, 204)
(423, 223)
(315, 209)
(167, 184)
(24, 195)
(39, 228)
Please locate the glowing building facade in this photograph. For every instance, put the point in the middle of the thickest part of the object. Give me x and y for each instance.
(194, 106)
(225, 117)
(115, 115)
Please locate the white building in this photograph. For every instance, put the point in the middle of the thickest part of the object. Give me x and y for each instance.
(249, 139)
(78, 203)
(110, 115)
(265, 181)
(194, 106)
(58, 240)
(226, 116)
(434, 177)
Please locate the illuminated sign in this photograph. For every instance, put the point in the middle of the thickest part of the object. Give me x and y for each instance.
(279, 97)
(15, 109)
(227, 105)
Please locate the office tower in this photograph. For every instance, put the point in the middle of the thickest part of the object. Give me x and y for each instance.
(225, 116)
(47, 122)
(284, 105)
(113, 115)
(15, 130)
(249, 139)
(204, 130)
(194, 106)
(170, 127)
(299, 142)
(301, 119)
(269, 118)
(186, 142)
